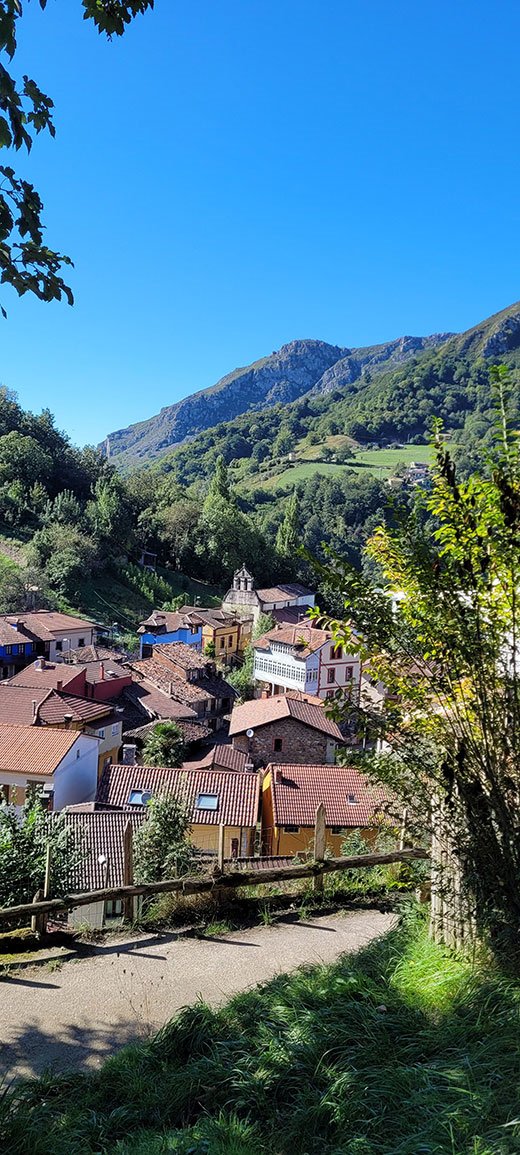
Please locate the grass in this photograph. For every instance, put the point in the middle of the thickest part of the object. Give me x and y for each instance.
(400, 1050)
(379, 463)
(106, 598)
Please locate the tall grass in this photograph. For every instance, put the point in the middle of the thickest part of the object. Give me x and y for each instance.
(400, 1050)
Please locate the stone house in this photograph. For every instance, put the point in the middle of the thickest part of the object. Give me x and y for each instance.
(290, 728)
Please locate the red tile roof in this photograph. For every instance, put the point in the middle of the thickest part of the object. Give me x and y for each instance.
(302, 638)
(187, 657)
(44, 673)
(170, 621)
(96, 833)
(263, 711)
(44, 624)
(34, 749)
(237, 792)
(284, 592)
(28, 706)
(157, 702)
(297, 791)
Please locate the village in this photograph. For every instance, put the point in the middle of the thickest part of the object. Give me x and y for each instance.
(75, 713)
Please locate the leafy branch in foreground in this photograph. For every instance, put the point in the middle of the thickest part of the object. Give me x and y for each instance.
(26, 262)
(439, 639)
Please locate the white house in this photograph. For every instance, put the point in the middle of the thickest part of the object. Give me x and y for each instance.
(63, 763)
(303, 658)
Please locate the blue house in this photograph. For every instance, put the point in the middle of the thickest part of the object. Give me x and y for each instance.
(163, 626)
(17, 647)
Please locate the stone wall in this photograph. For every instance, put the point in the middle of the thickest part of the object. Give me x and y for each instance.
(300, 744)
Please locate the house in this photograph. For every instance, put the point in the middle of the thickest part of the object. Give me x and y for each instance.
(99, 836)
(162, 626)
(17, 647)
(26, 706)
(245, 600)
(100, 681)
(52, 676)
(302, 657)
(62, 763)
(52, 633)
(190, 679)
(291, 795)
(228, 798)
(227, 634)
(291, 728)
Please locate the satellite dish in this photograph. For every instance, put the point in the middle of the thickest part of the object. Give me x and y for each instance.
(249, 733)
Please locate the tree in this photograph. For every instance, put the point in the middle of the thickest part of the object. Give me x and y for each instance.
(219, 484)
(164, 746)
(26, 262)
(23, 841)
(162, 848)
(288, 538)
(65, 557)
(447, 652)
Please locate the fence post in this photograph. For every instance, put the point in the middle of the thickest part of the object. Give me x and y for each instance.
(220, 852)
(38, 920)
(319, 846)
(128, 870)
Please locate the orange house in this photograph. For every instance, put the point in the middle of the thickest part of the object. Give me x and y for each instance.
(291, 795)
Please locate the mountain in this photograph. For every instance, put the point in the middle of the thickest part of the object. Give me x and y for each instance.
(298, 368)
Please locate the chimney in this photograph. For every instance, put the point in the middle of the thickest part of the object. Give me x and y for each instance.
(67, 720)
(129, 754)
(101, 671)
(34, 707)
(59, 685)
(278, 776)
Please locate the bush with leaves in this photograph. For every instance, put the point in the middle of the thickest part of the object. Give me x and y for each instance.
(24, 837)
(162, 847)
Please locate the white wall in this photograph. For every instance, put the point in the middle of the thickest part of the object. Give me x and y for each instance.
(75, 779)
(70, 639)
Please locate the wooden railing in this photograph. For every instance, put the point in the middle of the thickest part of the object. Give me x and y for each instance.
(196, 884)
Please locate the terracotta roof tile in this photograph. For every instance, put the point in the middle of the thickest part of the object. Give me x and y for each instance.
(28, 706)
(237, 792)
(34, 749)
(55, 708)
(49, 674)
(220, 757)
(302, 638)
(349, 798)
(44, 624)
(96, 833)
(153, 701)
(263, 711)
(284, 592)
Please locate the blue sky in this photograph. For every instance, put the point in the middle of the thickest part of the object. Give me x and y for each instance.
(233, 175)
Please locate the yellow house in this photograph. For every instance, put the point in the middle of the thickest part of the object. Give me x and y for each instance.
(228, 633)
(228, 798)
(291, 795)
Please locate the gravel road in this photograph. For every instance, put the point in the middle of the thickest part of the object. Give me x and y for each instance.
(75, 1017)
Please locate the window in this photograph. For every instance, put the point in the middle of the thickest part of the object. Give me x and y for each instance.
(59, 647)
(8, 649)
(113, 908)
(194, 630)
(230, 641)
(349, 673)
(335, 653)
(329, 693)
(81, 641)
(352, 799)
(331, 675)
(115, 729)
(78, 753)
(207, 802)
(139, 797)
(278, 744)
(291, 829)
(222, 643)
(336, 829)
(101, 733)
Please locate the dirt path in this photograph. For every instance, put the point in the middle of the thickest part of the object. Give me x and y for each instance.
(77, 1016)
